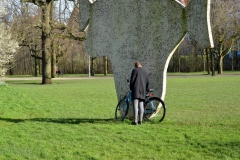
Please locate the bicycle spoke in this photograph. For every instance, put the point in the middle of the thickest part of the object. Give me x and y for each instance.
(121, 110)
(154, 105)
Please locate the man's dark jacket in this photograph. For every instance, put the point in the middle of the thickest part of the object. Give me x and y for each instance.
(139, 83)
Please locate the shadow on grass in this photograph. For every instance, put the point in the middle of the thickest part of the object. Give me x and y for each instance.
(61, 120)
(24, 82)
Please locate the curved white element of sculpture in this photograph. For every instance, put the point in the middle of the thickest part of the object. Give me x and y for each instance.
(148, 31)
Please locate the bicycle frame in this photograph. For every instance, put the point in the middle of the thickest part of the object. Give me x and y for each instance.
(147, 99)
(128, 98)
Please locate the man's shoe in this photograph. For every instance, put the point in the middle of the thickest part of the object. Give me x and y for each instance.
(140, 122)
(134, 123)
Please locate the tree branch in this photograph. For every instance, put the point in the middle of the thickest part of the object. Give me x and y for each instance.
(70, 35)
(39, 3)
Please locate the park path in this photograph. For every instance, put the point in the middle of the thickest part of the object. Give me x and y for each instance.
(183, 75)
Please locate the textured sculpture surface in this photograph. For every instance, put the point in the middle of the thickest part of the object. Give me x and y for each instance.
(148, 31)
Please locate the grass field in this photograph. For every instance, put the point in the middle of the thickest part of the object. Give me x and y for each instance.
(74, 119)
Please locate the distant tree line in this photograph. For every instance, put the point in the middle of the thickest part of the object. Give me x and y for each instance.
(225, 22)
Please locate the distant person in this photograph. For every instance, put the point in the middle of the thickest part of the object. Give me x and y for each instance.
(58, 72)
(138, 85)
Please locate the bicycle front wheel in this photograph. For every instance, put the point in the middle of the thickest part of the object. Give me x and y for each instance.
(154, 105)
(121, 110)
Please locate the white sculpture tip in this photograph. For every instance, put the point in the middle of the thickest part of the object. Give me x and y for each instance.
(92, 1)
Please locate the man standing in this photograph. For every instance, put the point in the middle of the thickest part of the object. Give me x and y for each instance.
(138, 85)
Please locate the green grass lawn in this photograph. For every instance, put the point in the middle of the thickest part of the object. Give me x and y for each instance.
(74, 119)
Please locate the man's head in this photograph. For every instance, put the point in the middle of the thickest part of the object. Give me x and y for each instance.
(138, 64)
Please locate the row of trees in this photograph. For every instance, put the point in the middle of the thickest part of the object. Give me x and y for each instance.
(48, 34)
(225, 22)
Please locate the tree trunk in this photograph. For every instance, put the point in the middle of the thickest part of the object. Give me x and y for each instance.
(53, 50)
(208, 63)
(173, 62)
(36, 67)
(232, 65)
(178, 59)
(10, 70)
(203, 60)
(212, 62)
(53, 61)
(72, 63)
(237, 62)
(92, 66)
(105, 61)
(46, 44)
(220, 65)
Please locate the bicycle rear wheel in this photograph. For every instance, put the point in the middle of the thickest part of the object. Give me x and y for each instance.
(154, 105)
(121, 110)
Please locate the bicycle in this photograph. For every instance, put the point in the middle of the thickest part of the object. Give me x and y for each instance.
(151, 106)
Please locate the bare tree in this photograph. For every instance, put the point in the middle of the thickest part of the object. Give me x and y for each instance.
(46, 41)
(47, 26)
(29, 36)
(226, 30)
